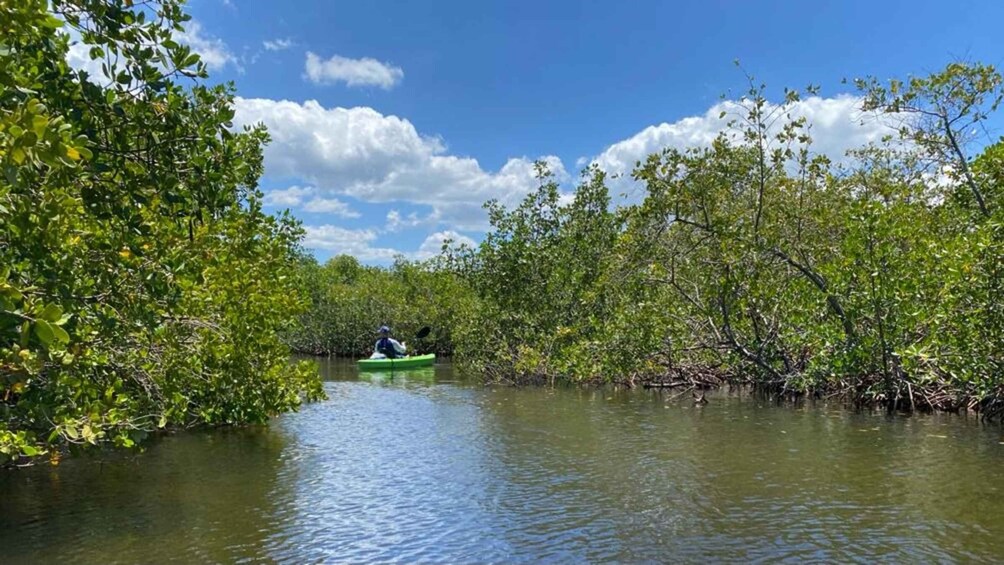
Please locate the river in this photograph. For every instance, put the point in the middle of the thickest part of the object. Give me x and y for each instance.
(425, 467)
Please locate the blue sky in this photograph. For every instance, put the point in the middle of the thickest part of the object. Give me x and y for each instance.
(394, 121)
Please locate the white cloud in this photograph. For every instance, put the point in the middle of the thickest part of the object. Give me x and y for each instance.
(836, 126)
(361, 153)
(79, 57)
(433, 245)
(353, 72)
(308, 199)
(290, 197)
(330, 206)
(342, 241)
(372, 157)
(359, 243)
(213, 51)
(396, 222)
(277, 44)
(566, 198)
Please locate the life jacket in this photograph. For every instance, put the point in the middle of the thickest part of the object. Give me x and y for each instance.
(385, 347)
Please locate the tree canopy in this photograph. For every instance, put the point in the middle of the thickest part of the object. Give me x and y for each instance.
(141, 285)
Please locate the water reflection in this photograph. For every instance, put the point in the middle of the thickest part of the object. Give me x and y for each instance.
(395, 475)
(191, 497)
(404, 467)
(425, 374)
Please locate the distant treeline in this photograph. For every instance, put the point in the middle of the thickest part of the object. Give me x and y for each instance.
(753, 259)
(350, 301)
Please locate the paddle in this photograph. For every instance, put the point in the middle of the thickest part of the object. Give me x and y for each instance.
(423, 332)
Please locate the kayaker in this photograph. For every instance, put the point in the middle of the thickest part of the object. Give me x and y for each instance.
(387, 347)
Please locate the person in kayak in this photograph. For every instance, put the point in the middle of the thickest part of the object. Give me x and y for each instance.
(387, 347)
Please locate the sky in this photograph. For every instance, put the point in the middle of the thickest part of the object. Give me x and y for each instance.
(393, 122)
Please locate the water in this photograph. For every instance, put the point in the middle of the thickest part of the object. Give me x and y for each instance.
(426, 468)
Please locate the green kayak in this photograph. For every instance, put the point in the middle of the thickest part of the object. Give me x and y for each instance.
(399, 363)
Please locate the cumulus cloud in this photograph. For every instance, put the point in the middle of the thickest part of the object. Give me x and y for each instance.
(361, 153)
(836, 126)
(79, 57)
(308, 199)
(359, 243)
(277, 44)
(397, 222)
(350, 147)
(290, 197)
(352, 72)
(330, 206)
(433, 245)
(341, 241)
(213, 51)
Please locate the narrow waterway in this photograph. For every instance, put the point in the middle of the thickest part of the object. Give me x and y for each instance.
(426, 467)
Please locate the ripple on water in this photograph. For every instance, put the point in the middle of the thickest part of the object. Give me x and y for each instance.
(411, 471)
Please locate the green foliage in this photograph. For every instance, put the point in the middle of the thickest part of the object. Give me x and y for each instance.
(756, 258)
(142, 286)
(350, 301)
(752, 258)
(540, 276)
(941, 114)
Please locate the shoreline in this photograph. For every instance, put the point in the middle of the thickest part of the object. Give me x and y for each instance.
(860, 392)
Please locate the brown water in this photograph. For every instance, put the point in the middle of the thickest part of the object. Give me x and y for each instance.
(423, 467)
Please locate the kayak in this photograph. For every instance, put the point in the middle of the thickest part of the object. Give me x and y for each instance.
(399, 363)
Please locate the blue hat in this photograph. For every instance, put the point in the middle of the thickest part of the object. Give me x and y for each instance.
(384, 330)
